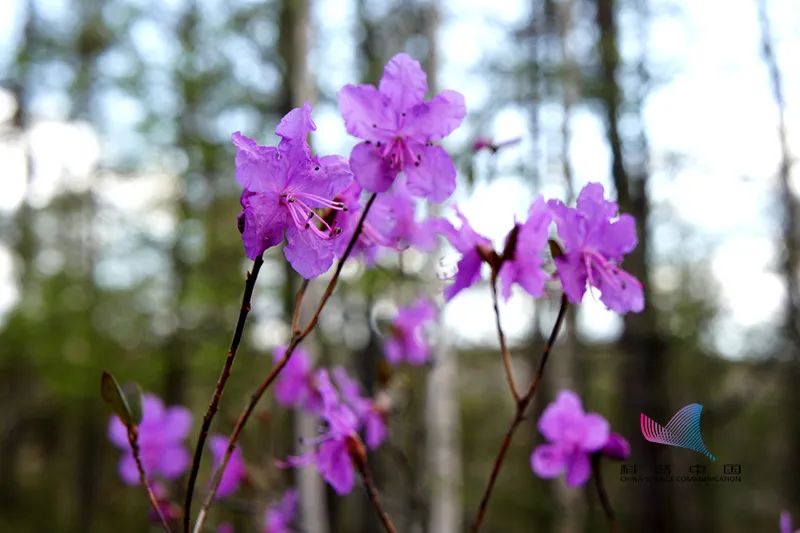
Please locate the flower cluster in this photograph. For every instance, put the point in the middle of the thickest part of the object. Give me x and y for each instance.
(594, 240)
(344, 411)
(161, 436)
(314, 203)
(573, 437)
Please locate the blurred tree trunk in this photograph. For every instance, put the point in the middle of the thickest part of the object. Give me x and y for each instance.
(643, 368)
(790, 259)
(294, 41)
(564, 374)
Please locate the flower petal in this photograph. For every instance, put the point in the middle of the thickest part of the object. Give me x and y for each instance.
(572, 273)
(433, 176)
(617, 238)
(261, 221)
(547, 461)
(404, 82)
(295, 126)
(258, 168)
(334, 465)
(595, 432)
(579, 469)
(366, 112)
(620, 291)
(437, 118)
(371, 170)
(308, 254)
(469, 272)
(559, 419)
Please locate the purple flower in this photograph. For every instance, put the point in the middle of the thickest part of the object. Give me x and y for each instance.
(595, 240)
(279, 517)
(391, 223)
(331, 456)
(474, 249)
(284, 188)
(295, 384)
(521, 261)
(406, 338)
(573, 435)
(161, 435)
(616, 447)
(235, 471)
(372, 418)
(786, 523)
(398, 128)
(225, 527)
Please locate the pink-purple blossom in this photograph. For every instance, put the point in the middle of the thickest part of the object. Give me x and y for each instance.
(595, 239)
(521, 261)
(331, 454)
(572, 435)
(285, 187)
(398, 129)
(235, 471)
(785, 523)
(294, 386)
(474, 248)
(279, 516)
(391, 223)
(161, 435)
(406, 339)
(371, 416)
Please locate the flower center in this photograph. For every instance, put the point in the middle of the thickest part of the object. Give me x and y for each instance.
(398, 153)
(303, 207)
(600, 269)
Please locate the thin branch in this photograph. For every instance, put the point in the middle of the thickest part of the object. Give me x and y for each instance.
(298, 305)
(374, 497)
(601, 492)
(276, 370)
(503, 346)
(519, 416)
(244, 310)
(133, 440)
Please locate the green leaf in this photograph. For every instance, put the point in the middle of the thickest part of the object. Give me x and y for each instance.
(133, 394)
(115, 398)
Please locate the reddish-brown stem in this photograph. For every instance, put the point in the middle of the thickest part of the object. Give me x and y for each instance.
(276, 370)
(601, 492)
(133, 440)
(519, 416)
(503, 346)
(244, 310)
(374, 497)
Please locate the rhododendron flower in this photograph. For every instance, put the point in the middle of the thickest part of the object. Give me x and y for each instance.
(786, 523)
(161, 435)
(406, 340)
(398, 128)
(390, 223)
(372, 418)
(521, 261)
(616, 447)
(573, 435)
(331, 456)
(235, 471)
(473, 247)
(279, 517)
(284, 187)
(595, 240)
(294, 386)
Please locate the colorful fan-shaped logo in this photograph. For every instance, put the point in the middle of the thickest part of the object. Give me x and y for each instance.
(683, 430)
